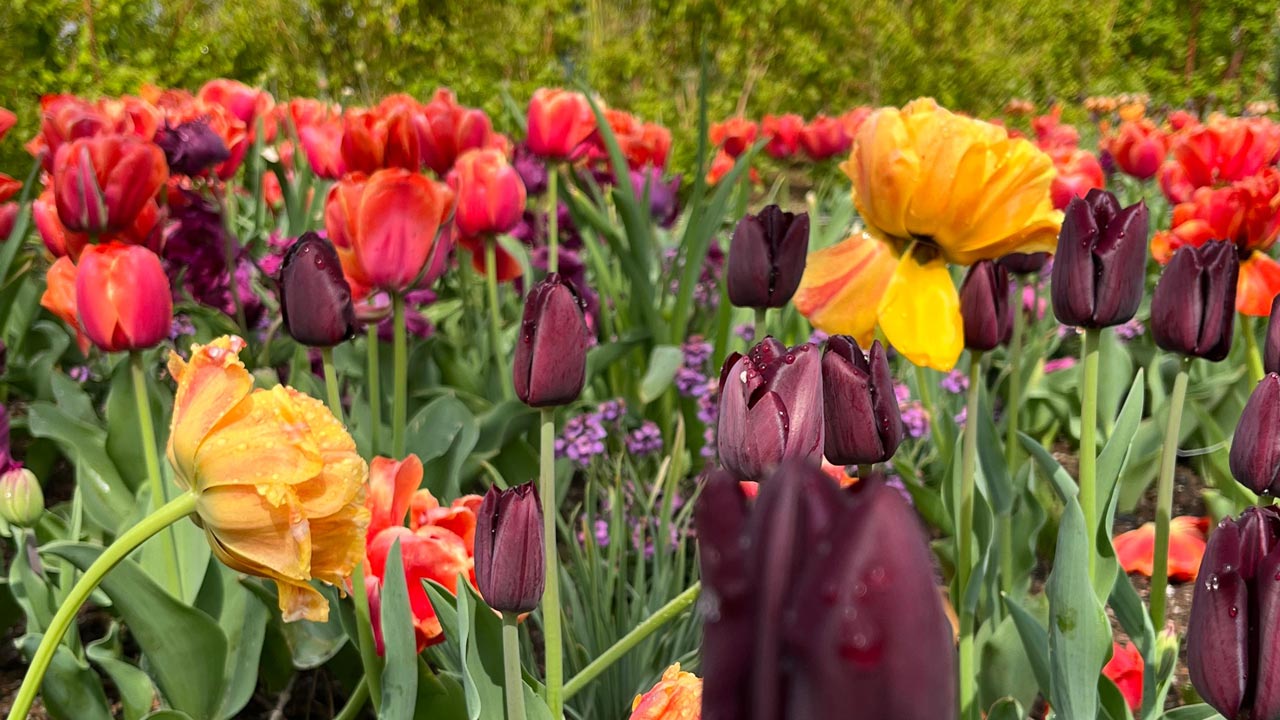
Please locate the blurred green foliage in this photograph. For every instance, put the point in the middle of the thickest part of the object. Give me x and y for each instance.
(805, 56)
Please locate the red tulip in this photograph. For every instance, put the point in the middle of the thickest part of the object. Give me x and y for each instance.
(1078, 173)
(60, 297)
(123, 297)
(1125, 669)
(490, 194)
(1136, 549)
(101, 184)
(322, 143)
(825, 137)
(449, 129)
(734, 135)
(7, 121)
(52, 232)
(247, 104)
(559, 120)
(64, 118)
(403, 148)
(1225, 150)
(364, 139)
(783, 132)
(1139, 148)
(1052, 134)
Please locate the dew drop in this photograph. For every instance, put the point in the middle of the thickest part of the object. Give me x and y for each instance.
(789, 358)
(1233, 611)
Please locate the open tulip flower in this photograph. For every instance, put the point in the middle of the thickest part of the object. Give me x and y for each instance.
(101, 184)
(1135, 549)
(933, 188)
(676, 696)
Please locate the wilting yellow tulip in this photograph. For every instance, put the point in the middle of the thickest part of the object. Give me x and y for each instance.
(933, 188)
(279, 486)
(677, 696)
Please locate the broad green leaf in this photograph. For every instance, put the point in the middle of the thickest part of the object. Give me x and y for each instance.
(1193, 712)
(1004, 669)
(480, 638)
(243, 619)
(1112, 459)
(1114, 706)
(70, 690)
(313, 644)
(440, 696)
(1079, 634)
(168, 715)
(442, 434)
(1006, 709)
(664, 361)
(997, 486)
(447, 655)
(107, 499)
(134, 685)
(1035, 641)
(400, 673)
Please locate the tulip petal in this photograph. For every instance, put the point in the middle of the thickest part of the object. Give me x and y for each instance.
(1258, 284)
(1135, 549)
(210, 385)
(1255, 449)
(843, 284)
(251, 534)
(391, 488)
(1218, 630)
(263, 441)
(920, 314)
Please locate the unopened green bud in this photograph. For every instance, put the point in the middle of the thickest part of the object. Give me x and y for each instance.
(21, 499)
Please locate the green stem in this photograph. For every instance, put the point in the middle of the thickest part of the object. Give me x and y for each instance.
(146, 429)
(375, 391)
(940, 443)
(553, 220)
(512, 682)
(173, 511)
(762, 324)
(652, 624)
(551, 595)
(864, 471)
(1013, 408)
(1164, 496)
(230, 244)
(331, 383)
(355, 703)
(495, 317)
(1253, 354)
(964, 538)
(1089, 442)
(364, 638)
(400, 399)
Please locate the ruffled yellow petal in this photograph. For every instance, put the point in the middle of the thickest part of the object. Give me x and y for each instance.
(265, 440)
(254, 535)
(920, 314)
(337, 544)
(884, 168)
(300, 601)
(210, 385)
(842, 286)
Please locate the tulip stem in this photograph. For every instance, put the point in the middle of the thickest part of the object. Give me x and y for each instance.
(762, 324)
(512, 682)
(553, 220)
(400, 399)
(650, 625)
(355, 703)
(171, 512)
(1013, 407)
(551, 596)
(964, 538)
(865, 471)
(495, 317)
(1253, 354)
(364, 637)
(375, 390)
(146, 429)
(1089, 443)
(331, 383)
(1164, 496)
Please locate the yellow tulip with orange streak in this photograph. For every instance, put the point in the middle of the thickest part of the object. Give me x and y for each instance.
(933, 188)
(676, 696)
(279, 485)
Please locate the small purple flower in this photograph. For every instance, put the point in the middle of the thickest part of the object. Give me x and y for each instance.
(709, 405)
(896, 483)
(664, 200)
(915, 418)
(697, 351)
(1130, 330)
(645, 440)
(180, 326)
(531, 169)
(745, 331)
(691, 383)
(817, 337)
(901, 392)
(612, 410)
(961, 416)
(79, 373)
(1062, 363)
(582, 439)
(709, 442)
(955, 382)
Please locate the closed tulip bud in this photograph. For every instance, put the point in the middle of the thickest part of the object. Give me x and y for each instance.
(985, 306)
(550, 364)
(122, 297)
(862, 423)
(766, 258)
(1271, 355)
(559, 120)
(770, 408)
(510, 569)
(1100, 265)
(21, 499)
(1025, 263)
(1193, 306)
(315, 299)
(192, 147)
(101, 184)
(490, 194)
(1255, 449)
(1233, 651)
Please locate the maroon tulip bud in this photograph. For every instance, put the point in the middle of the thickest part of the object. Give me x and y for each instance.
(1255, 449)
(1100, 265)
(766, 258)
(510, 565)
(1193, 307)
(1233, 651)
(315, 300)
(1271, 354)
(551, 358)
(985, 306)
(191, 147)
(862, 423)
(1025, 263)
(770, 408)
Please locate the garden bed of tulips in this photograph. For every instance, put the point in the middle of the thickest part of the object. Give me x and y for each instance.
(406, 411)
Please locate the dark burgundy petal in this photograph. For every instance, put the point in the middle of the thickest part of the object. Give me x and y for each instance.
(1177, 305)
(1266, 674)
(750, 264)
(726, 605)
(550, 363)
(789, 261)
(315, 300)
(510, 566)
(851, 436)
(798, 383)
(1120, 258)
(984, 306)
(1255, 449)
(765, 442)
(1103, 205)
(885, 402)
(1024, 263)
(1221, 268)
(1073, 274)
(1271, 357)
(1218, 632)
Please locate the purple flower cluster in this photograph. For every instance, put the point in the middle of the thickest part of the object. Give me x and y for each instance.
(195, 258)
(745, 332)
(640, 518)
(415, 322)
(645, 440)
(706, 293)
(955, 382)
(691, 378)
(1057, 364)
(1130, 330)
(914, 416)
(582, 439)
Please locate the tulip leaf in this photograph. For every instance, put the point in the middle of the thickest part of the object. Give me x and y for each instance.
(1116, 453)
(600, 357)
(664, 362)
(480, 637)
(1193, 712)
(1035, 641)
(994, 474)
(136, 690)
(1112, 701)
(400, 672)
(1006, 709)
(70, 690)
(185, 648)
(440, 696)
(442, 434)
(168, 715)
(1004, 669)
(448, 654)
(107, 499)
(243, 619)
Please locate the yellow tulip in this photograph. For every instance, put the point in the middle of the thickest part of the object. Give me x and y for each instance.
(677, 696)
(279, 485)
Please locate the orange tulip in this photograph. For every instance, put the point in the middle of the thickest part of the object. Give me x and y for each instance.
(64, 118)
(459, 517)
(101, 184)
(1136, 549)
(1139, 148)
(1078, 172)
(384, 227)
(677, 696)
(783, 132)
(60, 297)
(123, 296)
(449, 129)
(1226, 150)
(490, 194)
(734, 135)
(279, 485)
(558, 122)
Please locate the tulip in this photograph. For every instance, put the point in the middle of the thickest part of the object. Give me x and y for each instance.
(1193, 307)
(1139, 148)
(59, 297)
(767, 258)
(1099, 268)
(322, 143)
(1271, 355)
(1078, 172)
(491, 196)
(123, 297)
(385, 227)
(676, 696)
(1232, 650)
(783, 133)
(734, 135)
(192, 147)
(7, 121)
(825, 137)
(664, 198)
(1125, 669)
(449, 129)
(985, 306)
(102, 184)
(770, 408)
(550, 364)
(315, 299)
(862, 422)
(558, 121)
(8, 218)
(247, 104)
(21, 499)
(364, 139)
(53, 233)
(1025, 263)
(279, 485)
(403, 146)
(510, 570)
(1255, 450)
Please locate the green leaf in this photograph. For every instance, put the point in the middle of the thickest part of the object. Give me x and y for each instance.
(168, 715)
(1006, 709)
(1114, 706)
(664, 361)
(993, 474)
(186, 649)
(480, 637)
(440, 696)
(1114, 456)
(70, 690)
(136, 691)
(1035, 641)
(107, 499)
(400, 673)
(312, 644)
(1193, 712)
(1004, 667)
(244, 621)
(442, 434)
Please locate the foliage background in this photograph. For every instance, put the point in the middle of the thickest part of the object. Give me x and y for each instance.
(804, 56)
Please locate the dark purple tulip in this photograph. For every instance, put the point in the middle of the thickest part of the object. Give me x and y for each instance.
(550, 365)
(1233, 650)
(1255, 449)
(770, 408)
(1271, 355)
(985, 306)
(1025, 263)
(1194, 303)
(664, 201)
(315, 299)
(531, 169)
(510, 567)
(6, 460)
(862, 423)
(766, 258)
(192, 147)
(1100, 265)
